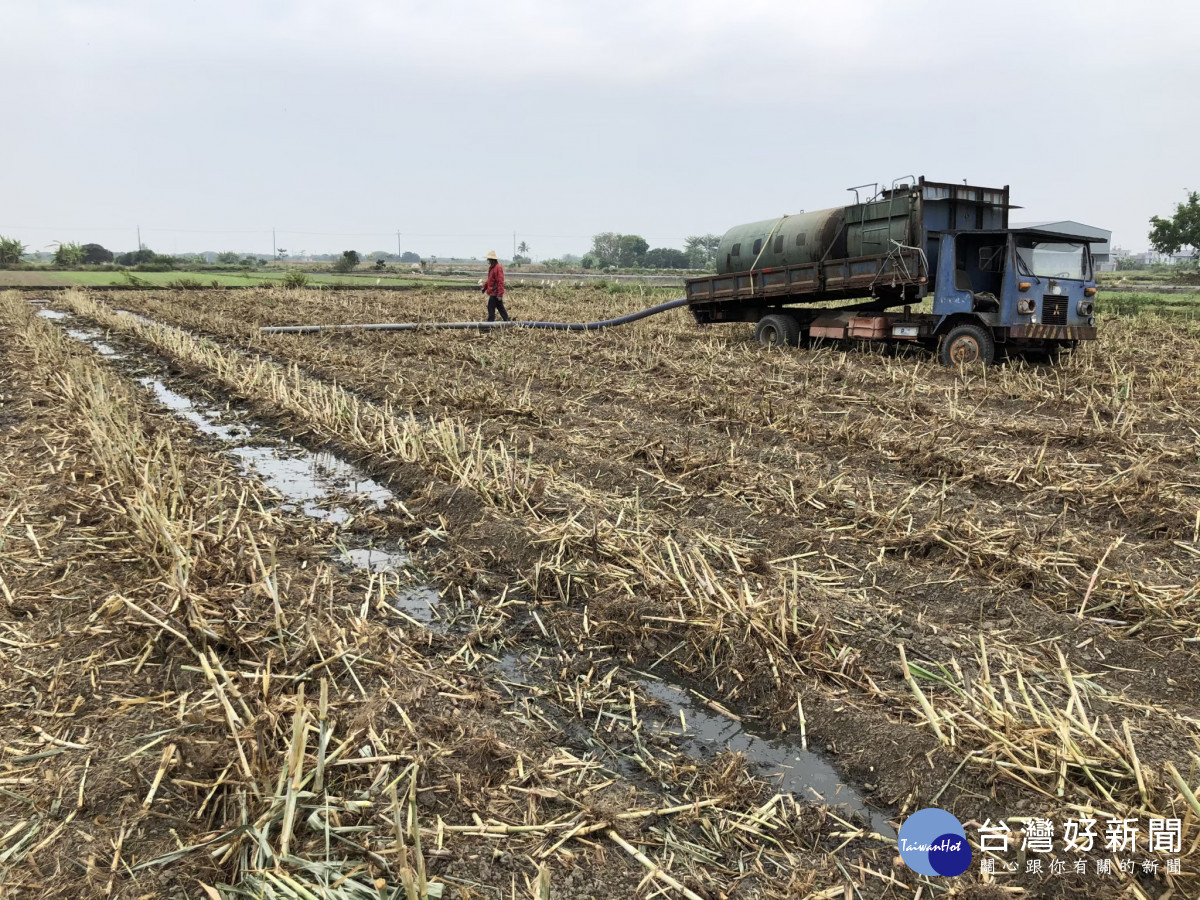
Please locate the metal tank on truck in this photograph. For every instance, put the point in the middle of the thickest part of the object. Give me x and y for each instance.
(990, 285)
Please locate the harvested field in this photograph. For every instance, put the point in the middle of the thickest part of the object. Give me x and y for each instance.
(975, 590)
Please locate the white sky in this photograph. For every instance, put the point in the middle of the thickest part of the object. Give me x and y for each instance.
(207, 122)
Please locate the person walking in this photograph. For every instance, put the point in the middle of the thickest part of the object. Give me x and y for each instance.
(494, 288)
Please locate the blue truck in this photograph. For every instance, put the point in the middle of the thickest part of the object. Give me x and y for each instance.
(855, 273)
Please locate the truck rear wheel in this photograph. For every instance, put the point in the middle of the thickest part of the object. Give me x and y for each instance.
(777, 330)
(967, 344)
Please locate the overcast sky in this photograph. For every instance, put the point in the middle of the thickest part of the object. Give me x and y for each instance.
(208, 122)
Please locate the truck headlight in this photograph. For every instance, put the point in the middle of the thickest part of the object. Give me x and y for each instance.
(1086, 307)
(1026, 305)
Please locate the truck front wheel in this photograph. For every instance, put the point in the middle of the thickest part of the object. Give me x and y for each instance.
(777, 330)
(966, 344)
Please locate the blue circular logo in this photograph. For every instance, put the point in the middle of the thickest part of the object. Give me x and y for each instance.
(933, 842)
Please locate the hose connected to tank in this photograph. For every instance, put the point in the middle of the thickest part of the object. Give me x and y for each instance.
(479, 326)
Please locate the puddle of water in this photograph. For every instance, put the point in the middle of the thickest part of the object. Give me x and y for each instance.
(797, 771)
(93, 337)
(372, 559)
(513, 666)
(310, 482)
(205, 420)
(418, 602)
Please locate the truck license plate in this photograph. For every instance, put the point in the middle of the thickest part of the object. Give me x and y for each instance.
(905, 330)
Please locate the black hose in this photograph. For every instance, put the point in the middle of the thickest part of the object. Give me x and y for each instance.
(480, 326)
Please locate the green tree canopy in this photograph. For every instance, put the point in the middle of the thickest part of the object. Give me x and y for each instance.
(1181, 230)
(229, 258)
(666, 258)
(606, 249)
(633, 249)
(96, 255)
(68, 254)
(347, 262)
(11, 251)
(702, 249)
(136, 257)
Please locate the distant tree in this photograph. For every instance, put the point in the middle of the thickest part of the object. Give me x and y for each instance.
(347, 262)
(380, 264)
(136, 257)
(95, 255)
(228, 258)
(588, 261)
(666, 258)
(1181, 230)
(633, 249)
(523, 250)
(701, 250)
(280, 253)
(606, 249)
(11, 251)
(409, 257)
(68, 254)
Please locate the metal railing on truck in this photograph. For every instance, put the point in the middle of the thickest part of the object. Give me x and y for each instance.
(829, 279)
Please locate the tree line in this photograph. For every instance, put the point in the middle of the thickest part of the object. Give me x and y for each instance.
(610, 249)
(632, 251)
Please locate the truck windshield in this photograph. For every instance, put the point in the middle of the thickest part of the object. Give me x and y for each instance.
(1053, 259)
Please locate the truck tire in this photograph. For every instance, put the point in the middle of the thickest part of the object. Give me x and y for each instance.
(777, 330)
(967, 344)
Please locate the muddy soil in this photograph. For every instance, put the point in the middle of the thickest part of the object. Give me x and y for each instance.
(160, 698)
(857, 501)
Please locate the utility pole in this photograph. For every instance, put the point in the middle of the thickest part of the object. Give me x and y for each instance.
(514, 256)
(274, 251)
(397, 246)
(139, 228)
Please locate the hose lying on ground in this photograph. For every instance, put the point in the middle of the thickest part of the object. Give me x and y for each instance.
(481, 326)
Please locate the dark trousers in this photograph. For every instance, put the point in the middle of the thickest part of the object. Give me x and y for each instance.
(496, 305)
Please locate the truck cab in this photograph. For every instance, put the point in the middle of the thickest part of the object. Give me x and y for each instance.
(1028, 289)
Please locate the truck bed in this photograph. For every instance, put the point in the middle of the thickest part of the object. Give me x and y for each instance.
(895, 278)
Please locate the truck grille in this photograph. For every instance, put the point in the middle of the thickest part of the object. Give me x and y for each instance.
(1054, 310)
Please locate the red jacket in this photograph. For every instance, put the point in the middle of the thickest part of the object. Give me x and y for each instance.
(494, 286)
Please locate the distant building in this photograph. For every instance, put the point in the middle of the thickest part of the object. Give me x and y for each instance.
(1152, 258)
(1099, 239)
